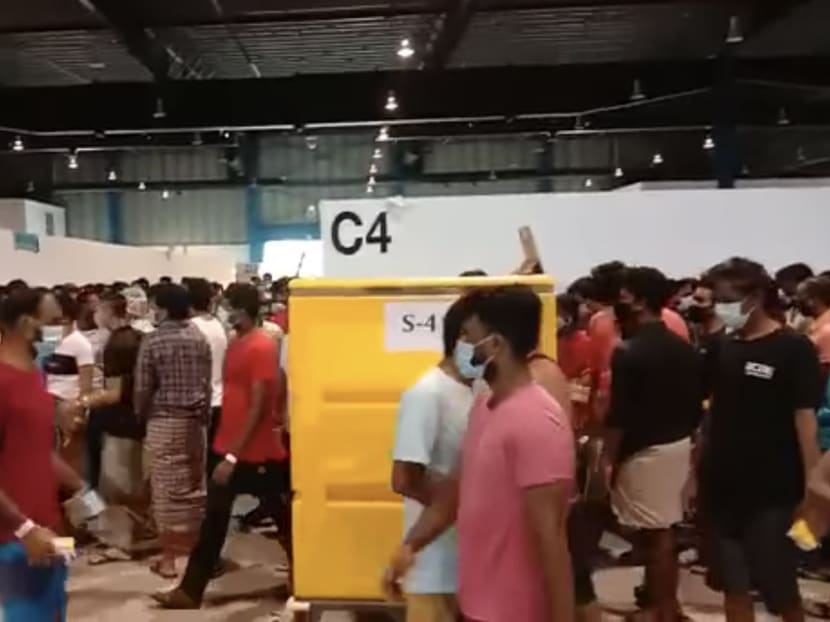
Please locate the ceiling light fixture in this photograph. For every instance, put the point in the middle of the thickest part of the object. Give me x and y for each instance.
(311, 143)
(405, 49)
(637, 93)
(17, 145)
(657, 159)
(735, 33)
(112, 175)
(165, 194)
(391, 103)
(373, 169)
(311, 212)
(371, 181)
(383, 135)
(142, 186)
(377, 154)
(709, 143)
(369, 189)
(225, 134)
(783, 118)
(159, 112)
(73, 162)
(197, 139)
(618, 173)
(589, 183)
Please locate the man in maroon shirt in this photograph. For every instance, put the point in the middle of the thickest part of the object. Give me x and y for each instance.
(32, 575)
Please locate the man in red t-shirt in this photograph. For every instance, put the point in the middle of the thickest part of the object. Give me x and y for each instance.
(248, 453)
(32, 573)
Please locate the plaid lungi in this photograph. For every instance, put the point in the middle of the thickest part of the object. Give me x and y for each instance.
(176, 447)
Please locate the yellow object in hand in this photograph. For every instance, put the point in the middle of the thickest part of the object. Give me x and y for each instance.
(802, 535)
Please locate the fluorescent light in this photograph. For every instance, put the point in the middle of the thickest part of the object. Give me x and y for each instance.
(369, 189)
(371, 181)
(159, 112)
(405, 49)
(391, 103)
(165, 194)
(589, 183)
(373, 169)
(378, 154)
(383, 135)
(112, 175)
(142, 185)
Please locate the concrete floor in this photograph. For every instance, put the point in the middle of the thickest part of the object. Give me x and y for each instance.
(118, 591)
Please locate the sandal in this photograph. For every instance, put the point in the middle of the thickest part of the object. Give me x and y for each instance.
(157, 569)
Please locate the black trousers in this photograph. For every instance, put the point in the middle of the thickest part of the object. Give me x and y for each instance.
(271, 482)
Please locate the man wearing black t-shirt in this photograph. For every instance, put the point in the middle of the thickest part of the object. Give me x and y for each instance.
(656, 406)
(765, 385)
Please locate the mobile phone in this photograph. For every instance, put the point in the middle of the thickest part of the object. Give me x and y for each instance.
(530, 250)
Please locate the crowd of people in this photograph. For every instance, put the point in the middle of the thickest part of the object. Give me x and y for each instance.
(703, 398)
(190, 371)
(706, 397)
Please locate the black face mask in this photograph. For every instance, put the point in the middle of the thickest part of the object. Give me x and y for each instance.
(698, 315)
(804, 309)
(624, 313)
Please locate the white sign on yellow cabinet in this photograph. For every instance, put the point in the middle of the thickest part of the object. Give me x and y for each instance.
(414, 326)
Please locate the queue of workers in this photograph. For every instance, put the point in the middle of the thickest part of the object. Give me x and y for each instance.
(703, 395)
(157, 366)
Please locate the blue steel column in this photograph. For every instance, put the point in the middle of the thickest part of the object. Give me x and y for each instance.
(115, 221)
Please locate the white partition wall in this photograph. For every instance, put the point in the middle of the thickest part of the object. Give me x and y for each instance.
(683, 232)
(63, 260)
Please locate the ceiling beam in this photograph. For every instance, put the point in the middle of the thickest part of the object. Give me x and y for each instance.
(447, 33)
(599, 93)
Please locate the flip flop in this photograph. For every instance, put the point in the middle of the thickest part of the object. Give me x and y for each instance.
(156, 569)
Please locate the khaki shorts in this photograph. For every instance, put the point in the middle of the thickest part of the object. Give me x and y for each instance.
(431, 608)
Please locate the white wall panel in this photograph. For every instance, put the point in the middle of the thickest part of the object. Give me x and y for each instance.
(86, 215)
(188, 217)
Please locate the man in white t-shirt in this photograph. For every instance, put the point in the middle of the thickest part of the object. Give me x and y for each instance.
(432, 420)
(201, 294)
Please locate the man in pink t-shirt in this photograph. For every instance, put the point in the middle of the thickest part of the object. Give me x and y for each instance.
(512, 490)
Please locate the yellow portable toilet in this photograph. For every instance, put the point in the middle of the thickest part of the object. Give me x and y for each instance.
(355, 346)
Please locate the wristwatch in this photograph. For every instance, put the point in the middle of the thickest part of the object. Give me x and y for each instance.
(231, 459)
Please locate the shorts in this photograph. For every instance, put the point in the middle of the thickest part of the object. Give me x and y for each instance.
(431, 608)
(648, 493)
(754, 551)
(29, 594)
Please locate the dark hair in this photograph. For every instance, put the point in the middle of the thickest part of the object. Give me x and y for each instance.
(175, 300)
(201, 294)
(567, 305)
(584, 288)
(793, 273)
(117, 302)
(70, 307)
(607, 278)
(143, 283)
(513, 311)
(818, 288)
(268, 275)
(19, 302)
(454, 319)
(749, 277)
(475, 272)
(244, 297)
(166, 280)
(16, 284)
(648, 285)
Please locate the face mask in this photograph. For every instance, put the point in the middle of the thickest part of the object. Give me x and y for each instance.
(698, 315)
(623, 312)
(685, 303)
(463, 357)
(732, 315)
(52, 333)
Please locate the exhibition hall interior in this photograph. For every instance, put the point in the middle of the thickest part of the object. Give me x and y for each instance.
(558, 281)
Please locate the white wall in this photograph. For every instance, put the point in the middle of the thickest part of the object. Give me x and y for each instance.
(681, 232)
(230, 253)
(38, 215)
(62, 260)
(13, 214)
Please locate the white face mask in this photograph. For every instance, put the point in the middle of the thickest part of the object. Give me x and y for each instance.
(52, 333)
(732, 314)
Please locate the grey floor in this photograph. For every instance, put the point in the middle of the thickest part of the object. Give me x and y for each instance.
(118, 592)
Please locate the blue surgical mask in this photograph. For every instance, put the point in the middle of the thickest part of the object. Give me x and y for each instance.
(732, 314)
(463, 357)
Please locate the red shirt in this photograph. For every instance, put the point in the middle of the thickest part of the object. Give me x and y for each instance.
(27, 438)
(574, 352)
(252, 358)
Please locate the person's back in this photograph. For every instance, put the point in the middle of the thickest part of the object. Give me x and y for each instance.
(179, 355)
